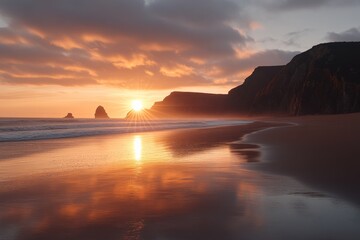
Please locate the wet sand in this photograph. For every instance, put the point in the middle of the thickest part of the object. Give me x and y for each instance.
(178, 184)
(322, 151)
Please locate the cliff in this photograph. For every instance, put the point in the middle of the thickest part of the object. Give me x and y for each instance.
(322, 80)
(100, 112)
(191, 104)
(242, 97)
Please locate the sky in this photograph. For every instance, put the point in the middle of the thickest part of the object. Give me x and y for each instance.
(63, 56)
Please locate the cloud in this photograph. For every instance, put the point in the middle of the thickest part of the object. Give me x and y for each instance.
(200, 12)
(306, 4)
(118, 42)
(294, 37)
(152, 44)
(231, 69)
(299, 33)
(352, 34)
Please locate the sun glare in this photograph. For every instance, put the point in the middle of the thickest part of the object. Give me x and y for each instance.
(137, 105)
(137, 148)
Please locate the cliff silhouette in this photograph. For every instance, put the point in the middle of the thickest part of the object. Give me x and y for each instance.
(179, 104)
(322, 80)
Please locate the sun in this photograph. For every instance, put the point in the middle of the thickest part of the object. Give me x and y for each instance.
(137, 105)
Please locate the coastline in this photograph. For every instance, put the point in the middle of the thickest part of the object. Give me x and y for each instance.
(24, 158)
(161, 185)
(320, 151)
(200, 136)
(14, 130)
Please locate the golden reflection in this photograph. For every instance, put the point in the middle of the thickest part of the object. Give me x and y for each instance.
(137, 148)
(149, 187)
(169, 181)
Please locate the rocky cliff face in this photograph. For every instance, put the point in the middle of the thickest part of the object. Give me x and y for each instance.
(242, 97)
(322, 80)
(100, 112)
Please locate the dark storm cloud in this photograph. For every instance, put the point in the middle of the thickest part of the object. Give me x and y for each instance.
(160, 43)
(352, 34)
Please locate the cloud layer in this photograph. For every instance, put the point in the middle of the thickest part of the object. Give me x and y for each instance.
(147, 44)
(286, 5)
(352, 34)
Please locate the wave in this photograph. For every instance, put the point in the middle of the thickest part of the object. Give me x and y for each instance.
(37, 129)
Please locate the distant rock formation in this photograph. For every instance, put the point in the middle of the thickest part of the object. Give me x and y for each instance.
(322, 80)
(100, 112)
(179, 104)
(69, 115)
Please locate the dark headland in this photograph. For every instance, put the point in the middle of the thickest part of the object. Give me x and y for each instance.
(322, 80)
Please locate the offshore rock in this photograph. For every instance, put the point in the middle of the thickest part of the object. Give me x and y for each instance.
(100, 112)
(69, 115)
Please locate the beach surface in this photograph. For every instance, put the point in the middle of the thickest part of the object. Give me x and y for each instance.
(323, 151)
(206, 183)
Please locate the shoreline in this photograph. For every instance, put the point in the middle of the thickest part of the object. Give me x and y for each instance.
(320, 151)
(278, 145)
(212, 134)
(54, 129)
(170, 183)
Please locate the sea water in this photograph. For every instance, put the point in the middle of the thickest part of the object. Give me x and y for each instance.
(23, 129)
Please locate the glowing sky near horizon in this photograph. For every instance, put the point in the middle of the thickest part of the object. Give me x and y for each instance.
(58, 57)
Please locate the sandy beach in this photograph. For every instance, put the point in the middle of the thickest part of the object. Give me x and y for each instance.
(322, 151)
(205, 183)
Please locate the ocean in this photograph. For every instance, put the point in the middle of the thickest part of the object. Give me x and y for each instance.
(25, 129)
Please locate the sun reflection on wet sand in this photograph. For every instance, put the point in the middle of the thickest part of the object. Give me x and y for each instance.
(137, 148)
(155, 186)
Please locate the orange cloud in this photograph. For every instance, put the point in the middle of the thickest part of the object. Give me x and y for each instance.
(176, 71)
(132, 62)
(255, 25)
(161, 44)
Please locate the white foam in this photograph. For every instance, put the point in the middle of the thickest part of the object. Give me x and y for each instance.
(36, 129)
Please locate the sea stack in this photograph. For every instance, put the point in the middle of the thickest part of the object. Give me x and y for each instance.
(100, 112)
(69, 115)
